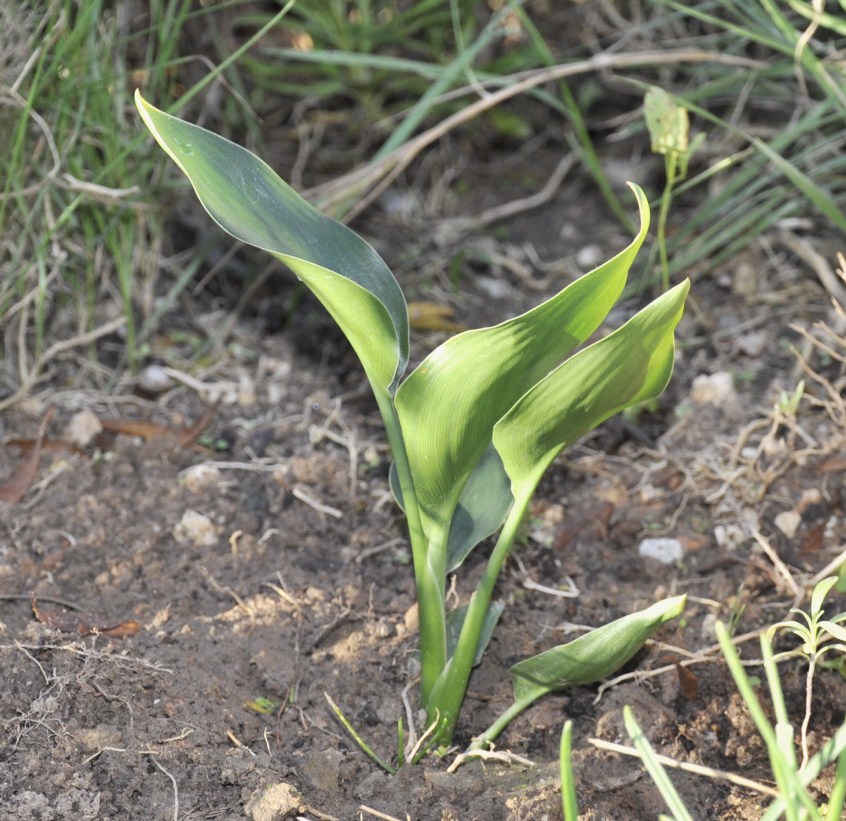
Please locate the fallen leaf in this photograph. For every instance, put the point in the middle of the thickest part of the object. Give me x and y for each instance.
(15, 488)
(185, 437)
(69, 622)
(688, 682)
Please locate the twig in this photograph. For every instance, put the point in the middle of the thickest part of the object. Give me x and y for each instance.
(383, 172)
(780, 566)
(489, 755)
(172, 781)
(49, 599)
(318, 506)
(739, 780)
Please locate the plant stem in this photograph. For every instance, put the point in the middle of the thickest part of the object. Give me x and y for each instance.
(448, 696)
(569, 801)
(430, 579)
(670, 164)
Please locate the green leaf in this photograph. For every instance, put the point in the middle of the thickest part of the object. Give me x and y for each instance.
(249, 201)
(455, 621)
(590, 657)
(482, 508)
(450, 403)
(820, 592)
(629, 366)
(667, 122)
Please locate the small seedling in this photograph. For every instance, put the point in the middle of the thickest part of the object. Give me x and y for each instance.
(669, 130)
(474, 427)
(819, 637)
(791, 799)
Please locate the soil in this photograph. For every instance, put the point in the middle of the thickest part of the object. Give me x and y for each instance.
(222, 583)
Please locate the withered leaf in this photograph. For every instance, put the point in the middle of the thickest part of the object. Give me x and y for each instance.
(184, 437)
(15, 488)
(688, 682)
(81, 623)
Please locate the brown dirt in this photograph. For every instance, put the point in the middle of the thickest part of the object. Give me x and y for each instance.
(294, 580)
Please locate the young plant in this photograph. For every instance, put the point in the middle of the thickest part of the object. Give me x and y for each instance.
(792, 798)
(473, 428)
(668, 129)
(816, 634)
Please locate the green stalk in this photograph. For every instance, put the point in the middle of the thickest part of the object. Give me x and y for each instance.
(447, 698)
(670, 163)
(429, 579)
(569, 802)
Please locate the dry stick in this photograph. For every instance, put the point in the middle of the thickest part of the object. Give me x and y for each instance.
(172, 781)
(513, 207)
(780, 566)
(706, 654)
(390, 167)
(739, 780)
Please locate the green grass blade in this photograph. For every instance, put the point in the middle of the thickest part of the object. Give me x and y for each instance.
(569, 801)
(362, 744)
(656, 771)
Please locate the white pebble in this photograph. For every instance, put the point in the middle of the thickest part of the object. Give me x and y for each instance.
(716, 389)
(198, 478)
(195, 528)
(666, 551)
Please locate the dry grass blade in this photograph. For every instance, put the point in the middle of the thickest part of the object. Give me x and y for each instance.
(370, 181)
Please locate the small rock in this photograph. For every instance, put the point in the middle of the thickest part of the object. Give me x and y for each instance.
(494, 288)
(788, 522)
(666, 551)
(154, 379)
(752, 344)
(273, 803)
(716, 389)
(82, 428)
(198, 478)
(195, 528)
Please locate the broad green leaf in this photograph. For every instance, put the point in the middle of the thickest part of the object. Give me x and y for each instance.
(481, 510)
(450, 403)
(249, 201)
(590, 657)
(629, 366)
(455, 621)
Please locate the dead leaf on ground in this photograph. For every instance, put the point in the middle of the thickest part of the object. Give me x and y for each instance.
(184, 437)
(81, 623)
(15, 488)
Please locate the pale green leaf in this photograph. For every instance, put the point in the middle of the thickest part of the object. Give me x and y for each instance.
(629, 366)
(820, 592)
(249, 201)
(667, 122)
(593, 656)
(450, 403)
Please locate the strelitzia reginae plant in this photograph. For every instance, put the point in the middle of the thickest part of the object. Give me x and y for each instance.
(474, 427)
